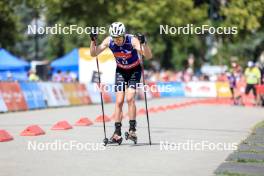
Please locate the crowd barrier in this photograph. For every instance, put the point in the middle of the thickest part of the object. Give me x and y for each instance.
(13, 96)
(17, 96)
(33, 95)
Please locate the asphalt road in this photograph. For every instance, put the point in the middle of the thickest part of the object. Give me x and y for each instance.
(180, 128)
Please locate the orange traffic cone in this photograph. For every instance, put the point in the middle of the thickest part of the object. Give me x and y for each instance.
(153, 110)
(32, 130)
(100, 118)
(83, 122)
(141, 111)
(62, 125)
(161, 108)
(169, 107)
(5, 136)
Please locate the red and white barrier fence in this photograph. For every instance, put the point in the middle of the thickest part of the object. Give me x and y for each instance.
(17, 96)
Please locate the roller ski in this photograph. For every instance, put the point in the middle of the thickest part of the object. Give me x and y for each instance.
(116, 138)
(131, 135)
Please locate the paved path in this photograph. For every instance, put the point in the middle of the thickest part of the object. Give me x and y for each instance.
(197, 123)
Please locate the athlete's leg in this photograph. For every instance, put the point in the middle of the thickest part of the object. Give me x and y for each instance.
(130, 97)
(120, 95)
(248, 88)
(255, 93)
(120, 84)
(117, 116)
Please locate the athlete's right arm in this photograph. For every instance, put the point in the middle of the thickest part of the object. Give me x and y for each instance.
(96, 50)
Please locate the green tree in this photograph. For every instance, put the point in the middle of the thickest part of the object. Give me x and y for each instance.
(8, 25)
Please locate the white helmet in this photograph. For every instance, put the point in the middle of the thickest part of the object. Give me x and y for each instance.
(117, 29)
(250, 64)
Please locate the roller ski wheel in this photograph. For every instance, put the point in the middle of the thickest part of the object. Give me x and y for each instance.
(115, 139)
(131, 135)
(105, 141)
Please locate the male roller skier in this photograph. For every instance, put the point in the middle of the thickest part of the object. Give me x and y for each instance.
(126, 49)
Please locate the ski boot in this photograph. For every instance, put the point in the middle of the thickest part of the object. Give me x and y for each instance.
(116, 138)
(131, 134)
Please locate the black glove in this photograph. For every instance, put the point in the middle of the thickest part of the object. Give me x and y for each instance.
(93, 36)
(142, 39)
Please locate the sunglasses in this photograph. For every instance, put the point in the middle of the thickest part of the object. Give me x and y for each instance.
(121, 37)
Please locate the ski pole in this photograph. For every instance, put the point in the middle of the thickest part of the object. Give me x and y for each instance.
(101, 95)
(145, 94)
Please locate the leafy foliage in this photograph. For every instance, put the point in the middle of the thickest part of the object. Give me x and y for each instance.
(144, 16)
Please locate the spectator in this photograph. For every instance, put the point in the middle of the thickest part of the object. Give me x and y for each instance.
(68, 77)
(222, 77)
(232, 84)
(236, 70)
(261, 68)
(253, 76)
(58, 77)
(73, 76)
(33, 76)
(187, 75)
(9, 76)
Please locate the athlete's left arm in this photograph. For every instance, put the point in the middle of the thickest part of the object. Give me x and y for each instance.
(145, 48)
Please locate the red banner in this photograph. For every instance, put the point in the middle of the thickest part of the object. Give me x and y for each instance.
(13, 96)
